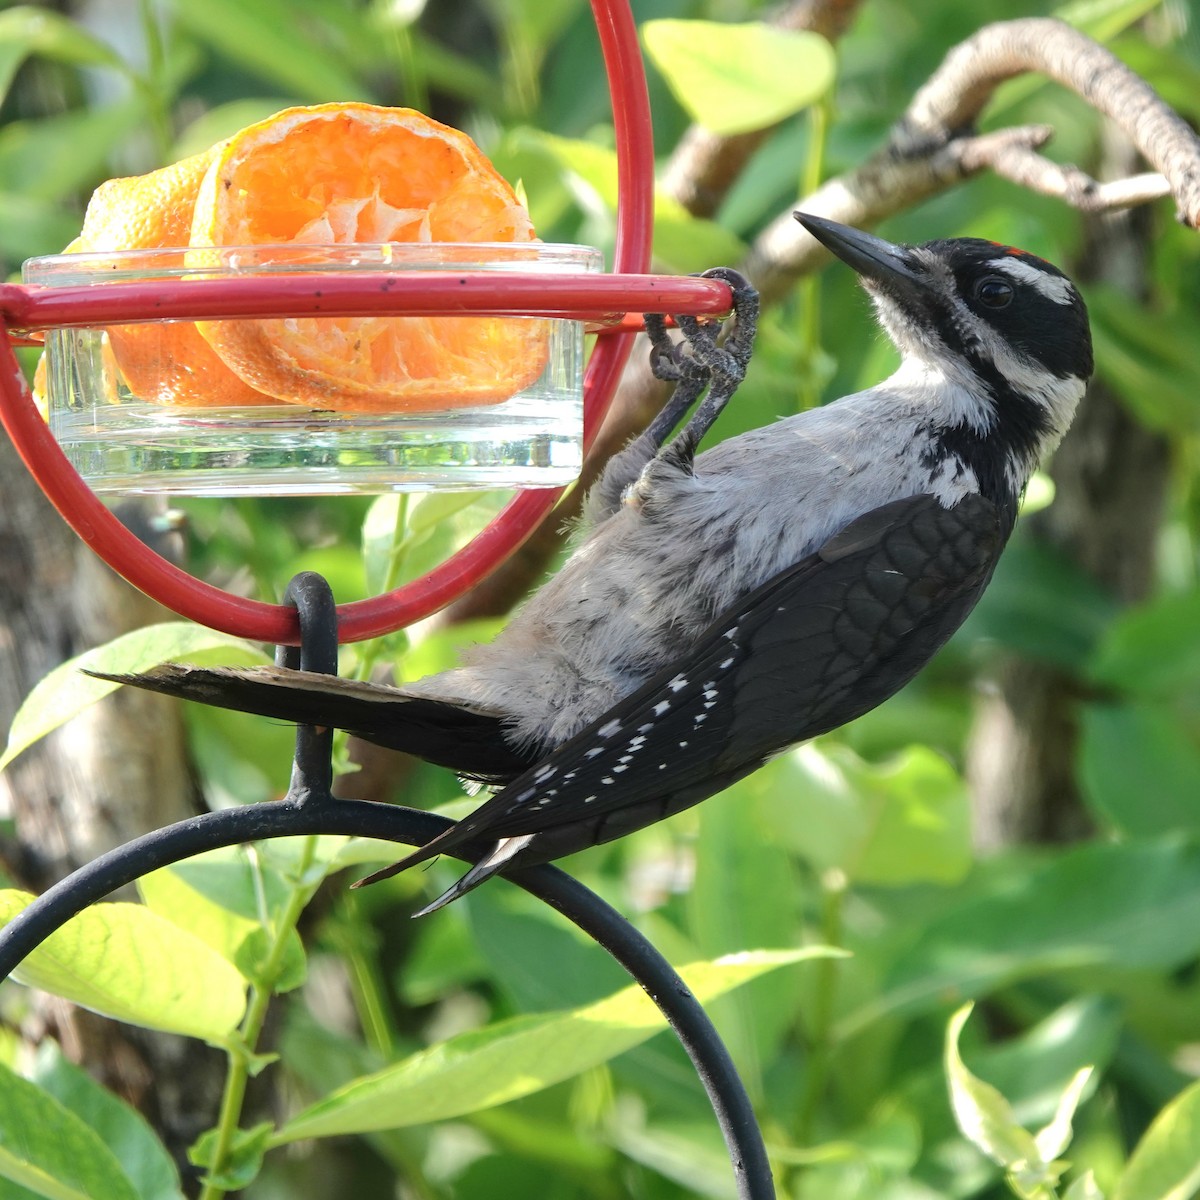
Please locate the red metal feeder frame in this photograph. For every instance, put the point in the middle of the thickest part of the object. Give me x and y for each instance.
(605, 298)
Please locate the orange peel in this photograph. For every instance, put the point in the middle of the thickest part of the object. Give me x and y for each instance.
(330, 174)
(358, 173)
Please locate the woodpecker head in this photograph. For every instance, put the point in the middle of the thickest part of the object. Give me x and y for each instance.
(1005, 331)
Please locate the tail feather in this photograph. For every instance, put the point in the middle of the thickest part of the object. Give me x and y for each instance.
(501, 856)
(469, 740)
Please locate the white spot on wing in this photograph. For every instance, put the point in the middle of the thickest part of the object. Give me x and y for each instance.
(613, 726)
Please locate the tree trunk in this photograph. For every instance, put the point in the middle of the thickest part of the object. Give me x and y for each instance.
(1110, 476)
(116, 771)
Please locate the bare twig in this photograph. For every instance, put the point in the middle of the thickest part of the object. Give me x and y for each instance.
(1077, 188)
(933, 139)
(955, 95)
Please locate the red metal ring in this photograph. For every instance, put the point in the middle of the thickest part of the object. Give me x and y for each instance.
(430, 293)
(200, 601)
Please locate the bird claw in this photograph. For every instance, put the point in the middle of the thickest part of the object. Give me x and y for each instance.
(712, 353)
(664, 362)
(674, 361)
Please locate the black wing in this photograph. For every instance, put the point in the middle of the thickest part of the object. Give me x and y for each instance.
(816, 646)
(468, 741)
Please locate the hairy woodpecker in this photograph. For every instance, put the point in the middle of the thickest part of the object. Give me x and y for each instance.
(721, 607)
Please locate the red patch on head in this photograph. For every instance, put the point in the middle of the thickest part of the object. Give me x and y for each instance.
(1011, 251)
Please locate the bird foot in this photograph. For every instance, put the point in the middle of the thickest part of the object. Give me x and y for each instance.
(711, 353)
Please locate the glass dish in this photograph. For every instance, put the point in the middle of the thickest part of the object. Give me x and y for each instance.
(144, 408)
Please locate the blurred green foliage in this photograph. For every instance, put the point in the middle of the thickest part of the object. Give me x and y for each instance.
(1083, 955)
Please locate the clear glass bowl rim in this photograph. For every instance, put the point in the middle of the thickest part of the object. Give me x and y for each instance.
(298, 257)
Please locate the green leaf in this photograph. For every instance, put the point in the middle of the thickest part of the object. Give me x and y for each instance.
(1104, 19)
(50, 1151)
(1084, 1187)
(216, 897)
(434, 526)
(454, 73)
(26, 30)
(515, 939)
(1042, 606)
(123, 1129)
(446, 957)
(244, 1159)
(1139, 766)
(1034, 1069)
(894, 823)
(52, 158)
(746, 892)
(1166, 1163)
(982, 1114)
(1130, 905)
(65, 692)
(1055, 1137)
(686, 1154)
(266, 38)
(441, 649)
(516, 1057)
(123, 961)
(1152, 650)
(538, 22)
(681, 242)
(1146, 360)
(735, 78)
(30, 226)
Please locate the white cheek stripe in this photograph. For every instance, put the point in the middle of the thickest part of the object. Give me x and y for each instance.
(1053, 287)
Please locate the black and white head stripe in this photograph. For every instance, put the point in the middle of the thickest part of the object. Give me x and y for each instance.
(992, 304)
(1043, 278)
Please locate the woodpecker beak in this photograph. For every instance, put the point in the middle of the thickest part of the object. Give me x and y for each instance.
(880, 262)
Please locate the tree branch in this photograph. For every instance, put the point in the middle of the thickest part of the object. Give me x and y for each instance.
(955, 95)
(933, 145)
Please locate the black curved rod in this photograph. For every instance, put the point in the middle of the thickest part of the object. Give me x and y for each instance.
(312, 768)
(360, 818)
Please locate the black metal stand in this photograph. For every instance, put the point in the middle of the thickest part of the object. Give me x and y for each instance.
(311, 808)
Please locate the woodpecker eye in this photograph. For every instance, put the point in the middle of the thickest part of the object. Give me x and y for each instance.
(994, 292)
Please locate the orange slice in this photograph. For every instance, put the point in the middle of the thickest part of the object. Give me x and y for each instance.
(353, 173)
(163, 363)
